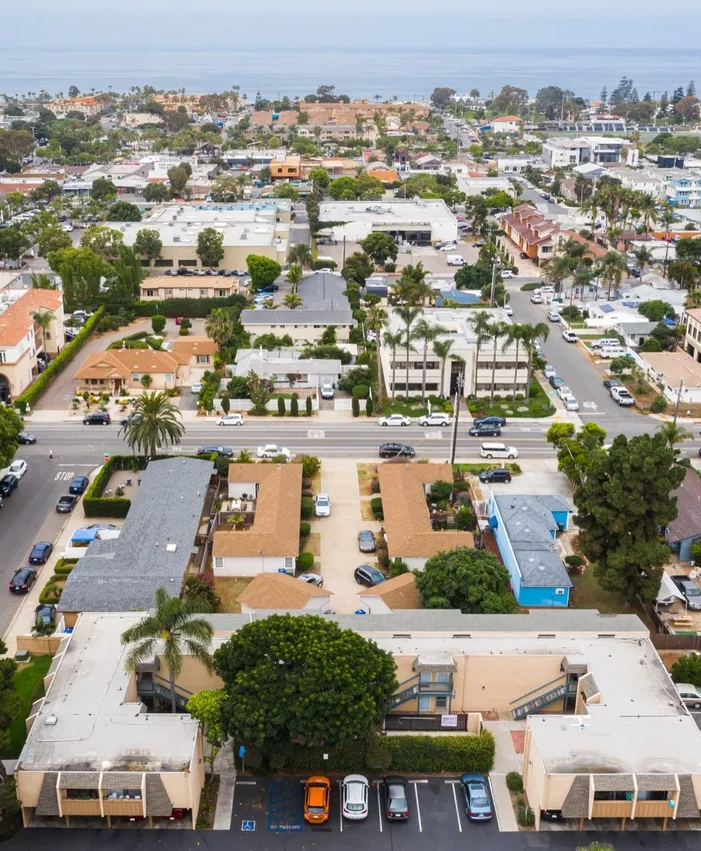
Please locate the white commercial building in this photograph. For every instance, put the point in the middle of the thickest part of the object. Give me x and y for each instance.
(479, 185)
(566, 153)
(419, 220)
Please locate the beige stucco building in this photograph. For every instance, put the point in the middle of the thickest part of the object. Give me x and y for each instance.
(161, 287)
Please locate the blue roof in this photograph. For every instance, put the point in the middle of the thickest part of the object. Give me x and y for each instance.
(84, 535)
(460, 296)
(607, 308)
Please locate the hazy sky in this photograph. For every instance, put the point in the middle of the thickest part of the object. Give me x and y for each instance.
(221, 24)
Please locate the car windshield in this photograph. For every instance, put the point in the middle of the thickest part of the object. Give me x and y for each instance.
(397, 801)
(355, 808)
(322, 500)
(691, 590)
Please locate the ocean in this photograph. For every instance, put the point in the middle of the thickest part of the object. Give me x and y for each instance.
(408, 74)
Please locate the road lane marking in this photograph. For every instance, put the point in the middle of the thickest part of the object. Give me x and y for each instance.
(457, 809)
(418, 808)
(379, 805)
(340, 809)
(494, 806)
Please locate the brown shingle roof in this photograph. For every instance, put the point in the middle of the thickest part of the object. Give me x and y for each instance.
(16, 321)
(123, 362)
(407, 521)
(279, 591)
(275, 529)
(687, 523)
(183, 350)
(398, 593)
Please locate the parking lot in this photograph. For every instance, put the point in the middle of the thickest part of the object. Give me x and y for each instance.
(272, 812)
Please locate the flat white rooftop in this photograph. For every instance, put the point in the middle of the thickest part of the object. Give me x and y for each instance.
(386, 212)
(94, 728)
(211, 214)
(183, 233)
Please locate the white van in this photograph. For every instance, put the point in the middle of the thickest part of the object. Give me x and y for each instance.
(498, 450)
(605, 342)
(612, 352)
(455, 260)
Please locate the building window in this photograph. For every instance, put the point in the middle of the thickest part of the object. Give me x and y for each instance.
(3, 357)
(169, 293)
(168, 376)
(425, 677)
(289, 563)
(150, 293)
(221, 293)
(218, 563)
(203, 293)
(441, 704)
(424, 704)
(442, 677)
(202, 358)
(613, 796)
(135, 377)
(47, 335)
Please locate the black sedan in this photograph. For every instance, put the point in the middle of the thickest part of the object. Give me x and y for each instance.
(7, 484)
(366, 541)
(79, 484)
(66, 503)
(396, 450)
(26, 438)
(40, 552)
(216, 450)
(489, 421)
(396, 800)
(611, 382)
(22, 580)
(484, 431)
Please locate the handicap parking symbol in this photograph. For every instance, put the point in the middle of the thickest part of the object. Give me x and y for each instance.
(248, 826)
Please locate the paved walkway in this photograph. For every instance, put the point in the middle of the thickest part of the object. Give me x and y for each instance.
(224, 766)
(505, 760)
(339, 533)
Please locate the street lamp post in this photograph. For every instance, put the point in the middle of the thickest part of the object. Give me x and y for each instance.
(456, 411)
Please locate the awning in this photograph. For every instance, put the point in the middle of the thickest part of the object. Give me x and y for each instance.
(668, 589)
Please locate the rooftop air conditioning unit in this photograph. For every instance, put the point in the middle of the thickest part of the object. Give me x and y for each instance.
(176, 239)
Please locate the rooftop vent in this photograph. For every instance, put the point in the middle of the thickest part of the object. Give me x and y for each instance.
(171, 548)
(51, 720)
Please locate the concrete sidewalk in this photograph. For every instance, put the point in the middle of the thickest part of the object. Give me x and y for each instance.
(505, 760)
(225, 767)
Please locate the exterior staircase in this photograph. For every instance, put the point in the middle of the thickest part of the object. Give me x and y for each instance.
(413, 688)
(538, 698)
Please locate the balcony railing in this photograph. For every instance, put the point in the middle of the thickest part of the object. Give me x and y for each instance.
(653, 809)
(77, 807)
(612, 809)
(123, 807)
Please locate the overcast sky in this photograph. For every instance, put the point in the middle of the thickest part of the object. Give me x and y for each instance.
(221, 24)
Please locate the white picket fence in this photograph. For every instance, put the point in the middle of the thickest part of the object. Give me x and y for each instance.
(243, 405)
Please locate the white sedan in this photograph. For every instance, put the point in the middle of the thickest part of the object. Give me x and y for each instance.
(272, 451)
(563, 391)
(508, 310)
(196, 388)
(322, 506)
(507, 273)
(18, 468)
(230, 420)
(394, 420)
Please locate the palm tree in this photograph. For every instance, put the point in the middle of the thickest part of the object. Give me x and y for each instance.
(43, 319)
(300, 254)
(557, 269)
(168, 629)
(667, 218)
(480, 325)
(495, 330)
(155, 422)
(393, 342)
(294, 276)
(376, 322)
(514, 334)
(293, 301)
(531, 335)
(408, 314)
(612, 268)
(412, 287)
(674, 434)
(427, 332)
(644, 257)
(648, 209)
(41, 281)
(442, 349)
(219, 326)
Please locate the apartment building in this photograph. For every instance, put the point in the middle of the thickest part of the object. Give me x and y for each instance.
(560, 152)
(444, 381)
(25, 346)
(692, 339)
(683, 188)
(533, 233)
(161, 287)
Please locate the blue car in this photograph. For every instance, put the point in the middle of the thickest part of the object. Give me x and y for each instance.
(79, 484)
(478, 805)
(40, 552)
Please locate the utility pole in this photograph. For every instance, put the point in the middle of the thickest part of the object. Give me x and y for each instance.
(494, 281)
(456, 411)
(679, 398)
(344, 251)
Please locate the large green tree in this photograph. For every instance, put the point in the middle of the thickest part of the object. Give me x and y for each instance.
(148, 244)
(623, 503)
(302, 678)
(263, 270)
(123, 211)
(380, 247)
(155, 422)
(52, 238)
(210, 246)
(474, 581)
(156, 193)
(81, 271)
(103, 189)
(358, 268)
(575, 450)
(10, 427)
(103, 240)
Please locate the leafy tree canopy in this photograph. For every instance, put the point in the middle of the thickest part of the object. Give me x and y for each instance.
(10, 427)
(123, 211)
(656, 311)
(263, 270)
(380, 247)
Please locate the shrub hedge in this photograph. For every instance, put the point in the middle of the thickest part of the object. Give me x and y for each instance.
(64, 566)
(194, 308)
(305, 561)
(307, 507)
(43, 381)
(304, 530)
(376, 506)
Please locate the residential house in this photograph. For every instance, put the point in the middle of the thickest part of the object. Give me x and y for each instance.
(683, 188)
(477, 375)
(427, 162)
(324, 305)
(87, 105)
(122, 369)
(405, 490)
(685, 529)
(397, 593)
(155, 548)
(475, 184)
(286, 367)
(635, 333)
(525, 529)
(561, 152)
(533, 233)
(677, 374)
(194, 356)
(517, 164)
(270, 591)
(269, 541)
(289, 169)
(506, 124)
(25, 347)
(162, 287)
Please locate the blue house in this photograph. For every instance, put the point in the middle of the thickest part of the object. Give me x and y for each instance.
(525, 528)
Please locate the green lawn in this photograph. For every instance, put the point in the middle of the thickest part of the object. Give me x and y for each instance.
(537, 406)
(476, 469)
(588, 594)
(28, 681)
(411, 407)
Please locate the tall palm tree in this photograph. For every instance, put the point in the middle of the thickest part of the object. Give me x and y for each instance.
(167, 630)
(43, 319)
(666, 218)
(514, 334)
(648, 209)
(301, 255)
(480, 325)
(393, 342)
(293, 301)
(643, 257)
(294, 276)
(442, 349)
(219, 326)
(531, 335)
(408, 315)
(377, 322)
(154, 423)
(557, 269)
(674, 433)
(495, 331)
(612, 268)
(412, 287)
(428, 333)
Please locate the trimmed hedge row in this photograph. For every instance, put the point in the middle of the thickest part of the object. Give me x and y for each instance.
(193, 308)
(43, 381)
(64, 566)
(94, 504)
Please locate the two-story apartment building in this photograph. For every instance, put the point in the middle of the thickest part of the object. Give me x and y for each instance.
(25, 345)
(442, 380)
(692, 339)
(565, 153)
(683, 188)
(532, 232)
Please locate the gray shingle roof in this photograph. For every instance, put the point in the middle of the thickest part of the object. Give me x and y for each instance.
(529, 523)
(333, 314)
(322, 288)
(122, 574)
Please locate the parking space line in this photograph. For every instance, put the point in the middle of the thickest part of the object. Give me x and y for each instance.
(379, 806)
(340, 809)
(245, 782)
(418, 808)
(457, 809)
(494, 806)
